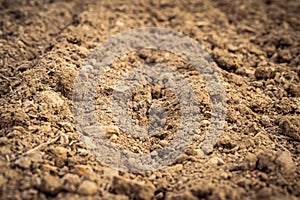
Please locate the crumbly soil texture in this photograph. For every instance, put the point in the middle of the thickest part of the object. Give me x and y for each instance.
(256, 46)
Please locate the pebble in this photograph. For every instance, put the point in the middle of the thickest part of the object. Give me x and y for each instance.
(29, 106)
(60, 152)
(23, 162)
(263, 176)
(265, 120)
(264, 72)
(207, 148)
(163, 143)
(52, 98)
(216, 161)
(82, 169)
(290, 126)
(114, 137)
(232, 47)
(205, 122)
(265, 161)
(285, 163)
(294, 89)
(152, 177)
(87, 188)
(111, 130)
(250, 161)
(252, 129)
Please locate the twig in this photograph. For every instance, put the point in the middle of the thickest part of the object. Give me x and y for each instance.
(38, 147)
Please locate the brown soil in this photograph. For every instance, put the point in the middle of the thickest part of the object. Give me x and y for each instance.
(256, 45)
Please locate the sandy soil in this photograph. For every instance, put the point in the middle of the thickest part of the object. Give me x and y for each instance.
(256, 45)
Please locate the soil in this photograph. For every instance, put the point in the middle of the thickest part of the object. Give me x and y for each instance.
(256, 45)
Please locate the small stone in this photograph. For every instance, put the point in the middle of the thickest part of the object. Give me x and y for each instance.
(29, 106)
(285, 163)
(119, 23)
(82, 169)
(232, 48)
(252, 129)
(216, 161)
(82, 152)
(207, 114)
(160, 195)
(230, 62)
(207, 148)
(52, 98)
(87, 188)
(264, 72)
(152, 177)
(23, 162)
(294, 89)
(111, 130)
(290, 126)
(226, 142)
(265, 120)
(163, 143)
(250, 161)
(263, 176)
(205, 122)
(60, 152)
(265, 161)
(59, 162)
(114, 137)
